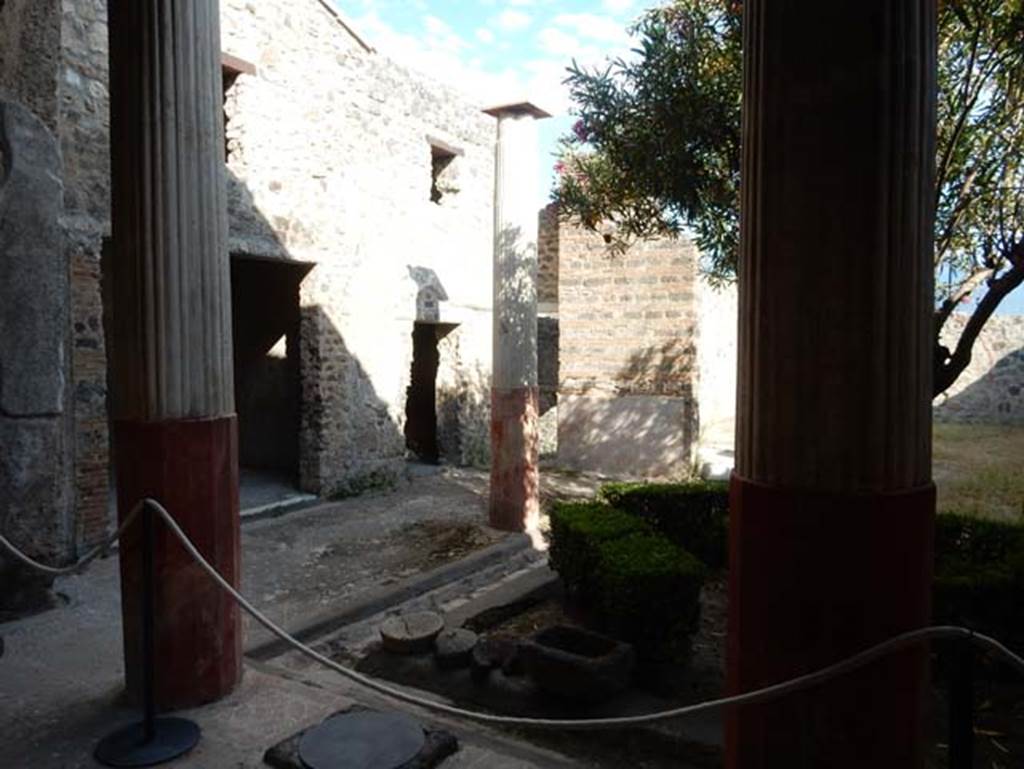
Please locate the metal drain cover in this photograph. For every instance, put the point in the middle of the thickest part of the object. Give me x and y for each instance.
(363, 740)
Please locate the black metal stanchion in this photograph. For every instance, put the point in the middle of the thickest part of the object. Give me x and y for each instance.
(961, 706)
(152, 740)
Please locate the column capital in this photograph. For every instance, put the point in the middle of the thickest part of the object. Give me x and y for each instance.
(515, 109)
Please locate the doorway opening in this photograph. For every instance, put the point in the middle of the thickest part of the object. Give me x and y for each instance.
(421, 437)
(266, 319)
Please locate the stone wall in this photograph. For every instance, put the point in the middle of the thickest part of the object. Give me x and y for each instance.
(330, 162)
(547, 258)
(991, 388)
(35, 456)
(547, 382)
(84, 131)
(628, 366)
(53, 60)
(29, 52)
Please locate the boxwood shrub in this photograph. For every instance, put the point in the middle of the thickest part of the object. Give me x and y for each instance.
(694, 516)
(635, 583)
(577, 528)
(647, 591)
(979, 576)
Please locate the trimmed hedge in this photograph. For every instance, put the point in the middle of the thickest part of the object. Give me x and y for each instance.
(637, 584)
(648, 593)
(979, 576)
(576, 530)
(694, 516)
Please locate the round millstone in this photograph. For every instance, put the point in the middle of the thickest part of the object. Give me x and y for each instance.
(454, 648)
(364, 740)
(411, 633)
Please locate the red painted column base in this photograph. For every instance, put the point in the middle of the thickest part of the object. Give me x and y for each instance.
(191, 467)
(515, 477)
(814, 578)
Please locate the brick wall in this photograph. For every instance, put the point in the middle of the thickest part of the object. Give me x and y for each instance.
(628, 369)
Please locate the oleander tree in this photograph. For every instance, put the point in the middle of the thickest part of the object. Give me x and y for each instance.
(656, 150)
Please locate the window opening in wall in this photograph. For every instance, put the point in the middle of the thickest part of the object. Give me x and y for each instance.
(443, 170)
(231, 68)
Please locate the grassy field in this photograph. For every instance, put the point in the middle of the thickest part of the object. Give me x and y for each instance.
(979, 470)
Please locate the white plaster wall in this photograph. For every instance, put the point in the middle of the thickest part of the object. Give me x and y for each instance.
(716, 355)
(331, 163)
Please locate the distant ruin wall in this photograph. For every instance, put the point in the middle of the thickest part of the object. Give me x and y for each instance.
(628, 356)
(991, 388)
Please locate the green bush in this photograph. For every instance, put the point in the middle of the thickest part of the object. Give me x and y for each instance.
(576, 530)
(637, 585)
(647, 591)
(979, 576)
(694, 516)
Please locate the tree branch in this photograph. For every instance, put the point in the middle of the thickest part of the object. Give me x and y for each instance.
(962, 291)
(949, 366)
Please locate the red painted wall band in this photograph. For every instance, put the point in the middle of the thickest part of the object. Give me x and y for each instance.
(191, 467)
(813, 579)
(515, 479)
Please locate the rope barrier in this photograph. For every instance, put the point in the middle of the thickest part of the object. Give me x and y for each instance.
(904, 640)
(102, 549)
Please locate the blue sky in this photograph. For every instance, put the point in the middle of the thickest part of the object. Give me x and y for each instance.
(502, 50)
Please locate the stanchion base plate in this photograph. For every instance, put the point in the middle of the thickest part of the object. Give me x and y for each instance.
(127, 747)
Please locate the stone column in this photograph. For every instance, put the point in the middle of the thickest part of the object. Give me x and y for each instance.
(832, 502)
(173, 401)
(515, 480)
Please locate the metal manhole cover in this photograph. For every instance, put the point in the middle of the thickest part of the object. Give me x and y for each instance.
(363, 740)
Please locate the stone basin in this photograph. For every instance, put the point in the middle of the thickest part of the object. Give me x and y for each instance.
(577, 664)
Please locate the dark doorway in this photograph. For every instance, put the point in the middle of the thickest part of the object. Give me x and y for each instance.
(265, 316)
(421, 397)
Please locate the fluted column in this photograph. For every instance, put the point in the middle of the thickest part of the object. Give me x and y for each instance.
(173, 394)
(832, 502)
(515, 480)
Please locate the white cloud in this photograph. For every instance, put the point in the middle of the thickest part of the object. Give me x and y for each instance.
(484, 35)
(439, 52)
(593, 26)
(514, 20)
(617, 6)
(557, 42)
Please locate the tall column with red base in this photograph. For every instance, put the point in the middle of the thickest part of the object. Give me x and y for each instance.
(515, 479)
(173, 399)
(832, 501)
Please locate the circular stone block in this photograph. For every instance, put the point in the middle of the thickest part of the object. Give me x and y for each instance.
(363, 740)
(454, 648)
(411, 633)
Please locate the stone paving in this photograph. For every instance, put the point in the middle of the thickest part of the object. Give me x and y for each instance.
(62, 672)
